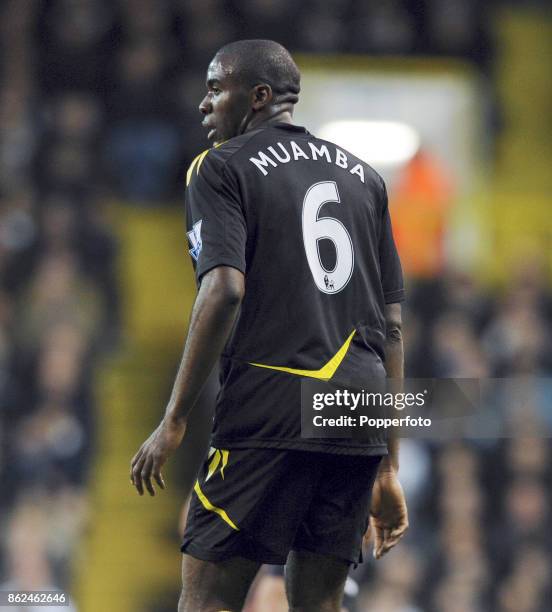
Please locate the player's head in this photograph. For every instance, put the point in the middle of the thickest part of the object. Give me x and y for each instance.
(248, 80)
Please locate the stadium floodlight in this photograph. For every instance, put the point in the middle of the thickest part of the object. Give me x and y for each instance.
(379, 143)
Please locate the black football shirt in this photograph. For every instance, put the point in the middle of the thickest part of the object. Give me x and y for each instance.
(308, 224)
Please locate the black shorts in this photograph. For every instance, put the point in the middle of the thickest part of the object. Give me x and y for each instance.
(262, 503)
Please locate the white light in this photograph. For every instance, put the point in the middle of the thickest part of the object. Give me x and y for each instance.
(379, 143)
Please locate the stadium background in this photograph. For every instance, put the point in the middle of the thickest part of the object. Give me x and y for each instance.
(98, 122)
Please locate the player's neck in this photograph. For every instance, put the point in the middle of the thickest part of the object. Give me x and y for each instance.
(274, 115)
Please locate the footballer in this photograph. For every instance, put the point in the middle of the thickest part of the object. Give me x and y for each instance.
(298, 276)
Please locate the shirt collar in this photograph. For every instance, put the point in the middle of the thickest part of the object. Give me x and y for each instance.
(290, 127)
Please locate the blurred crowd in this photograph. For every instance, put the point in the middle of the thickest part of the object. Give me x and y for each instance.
(99, 99)
(479, 508)
(107, 92)
(58, 306)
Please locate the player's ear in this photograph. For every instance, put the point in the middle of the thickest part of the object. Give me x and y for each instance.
(261, 95)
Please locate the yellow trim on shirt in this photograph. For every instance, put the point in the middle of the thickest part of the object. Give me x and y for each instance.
(191, 168)
(325, 372)
(198, 160)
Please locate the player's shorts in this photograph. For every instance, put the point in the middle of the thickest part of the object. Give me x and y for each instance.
(262, 503)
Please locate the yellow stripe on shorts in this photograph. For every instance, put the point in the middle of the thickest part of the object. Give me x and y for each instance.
(209, 506)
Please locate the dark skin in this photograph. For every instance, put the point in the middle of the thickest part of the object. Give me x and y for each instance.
(231, 108)
(215, 309)
(388, 512)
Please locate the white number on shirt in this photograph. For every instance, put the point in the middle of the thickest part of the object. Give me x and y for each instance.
(317, 228)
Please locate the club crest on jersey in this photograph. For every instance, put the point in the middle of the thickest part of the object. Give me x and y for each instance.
(194, 236)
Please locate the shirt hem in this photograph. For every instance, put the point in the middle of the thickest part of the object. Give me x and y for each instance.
(394, 296)
(316, 446)
(200, 273)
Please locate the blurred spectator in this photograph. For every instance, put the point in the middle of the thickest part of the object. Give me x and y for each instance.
(457, 353)
(205, 26)
(383, 27)
(324, 27)
(276, 20)
(518, 339)
(56, 294)
(18, 142)
(76, 42)
(76, 117)
(58, 290)
(146, 19)
(29, 562)
(143, 147)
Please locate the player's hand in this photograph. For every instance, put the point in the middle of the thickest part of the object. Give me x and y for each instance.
(388, 514)
(152, 455)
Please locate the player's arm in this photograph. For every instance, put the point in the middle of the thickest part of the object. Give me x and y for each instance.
(389, 514)
(213, 315)
(394, 366)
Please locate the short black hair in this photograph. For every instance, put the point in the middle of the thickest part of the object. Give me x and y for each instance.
(264, 61)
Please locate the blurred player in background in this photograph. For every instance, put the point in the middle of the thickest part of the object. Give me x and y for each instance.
(298, 277)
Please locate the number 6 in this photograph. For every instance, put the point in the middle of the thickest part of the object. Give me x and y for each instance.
(317, 228)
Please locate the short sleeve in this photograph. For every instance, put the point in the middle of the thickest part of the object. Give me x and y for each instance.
(216, 227)
(390, 265)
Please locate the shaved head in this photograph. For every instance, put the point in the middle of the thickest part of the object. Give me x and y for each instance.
(249, 83)
(253, 62)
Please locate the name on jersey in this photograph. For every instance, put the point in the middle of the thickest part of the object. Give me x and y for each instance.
(278, 154)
